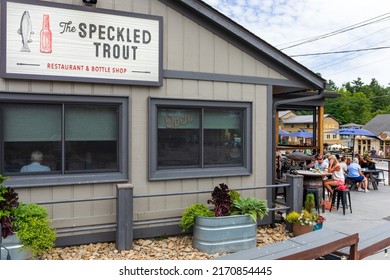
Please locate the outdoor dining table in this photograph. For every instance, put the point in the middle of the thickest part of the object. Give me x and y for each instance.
(314, 180)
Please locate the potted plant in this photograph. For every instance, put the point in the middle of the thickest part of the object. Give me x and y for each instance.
(307, 220)
(231, 225)
(29, 223)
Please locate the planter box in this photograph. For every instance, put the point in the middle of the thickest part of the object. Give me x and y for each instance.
(16, 250)
(224, 234)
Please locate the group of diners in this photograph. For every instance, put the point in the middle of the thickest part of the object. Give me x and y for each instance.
(343, 168)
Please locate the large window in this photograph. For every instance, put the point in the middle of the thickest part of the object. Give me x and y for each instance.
(63, 141)
(199, 139)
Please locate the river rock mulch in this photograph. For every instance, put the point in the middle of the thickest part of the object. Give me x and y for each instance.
(169, 248)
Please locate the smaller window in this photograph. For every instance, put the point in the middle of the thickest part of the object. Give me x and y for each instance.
(192, 139)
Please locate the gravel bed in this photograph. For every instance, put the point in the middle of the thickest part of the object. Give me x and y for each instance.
(169, 248)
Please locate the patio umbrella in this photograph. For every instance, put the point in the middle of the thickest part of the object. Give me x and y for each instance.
(354, 131)
(284, 133)
(302, 133)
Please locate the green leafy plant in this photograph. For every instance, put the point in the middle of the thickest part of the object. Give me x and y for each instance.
(29, 221)
(304, 218)
(234, 195)
(307, 216)
(32, 227)
(226, 202)
(309, 202)
(188, 218)
(252, 206)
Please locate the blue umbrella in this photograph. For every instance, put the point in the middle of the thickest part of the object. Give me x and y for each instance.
(302, 133)
(284, 133)
(354, 131)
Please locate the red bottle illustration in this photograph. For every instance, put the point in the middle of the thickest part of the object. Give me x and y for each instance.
(46, 36)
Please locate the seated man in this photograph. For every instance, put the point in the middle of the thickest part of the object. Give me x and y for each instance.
(35, 165)
(355, 173)
(319, 163)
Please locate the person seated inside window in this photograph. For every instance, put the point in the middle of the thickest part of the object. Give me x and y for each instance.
(35, 165)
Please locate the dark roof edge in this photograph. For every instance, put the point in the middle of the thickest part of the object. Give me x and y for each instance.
(239, 31)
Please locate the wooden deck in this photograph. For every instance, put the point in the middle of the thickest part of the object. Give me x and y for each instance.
(309, 246)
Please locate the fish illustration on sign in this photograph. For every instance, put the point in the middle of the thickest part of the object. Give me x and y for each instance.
(25, 31)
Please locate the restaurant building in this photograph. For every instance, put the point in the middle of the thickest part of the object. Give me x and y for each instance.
(168, 96)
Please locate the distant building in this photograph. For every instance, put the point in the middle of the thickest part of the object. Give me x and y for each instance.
(380, 126)
(290, 122)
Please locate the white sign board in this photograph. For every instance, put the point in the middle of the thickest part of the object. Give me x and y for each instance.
(49, 41)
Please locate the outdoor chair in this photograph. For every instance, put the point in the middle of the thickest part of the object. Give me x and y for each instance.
(343, 194)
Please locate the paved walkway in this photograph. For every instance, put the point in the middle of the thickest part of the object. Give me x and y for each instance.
(368, 210)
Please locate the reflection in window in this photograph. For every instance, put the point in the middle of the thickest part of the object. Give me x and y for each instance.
(180, 133)
(33, 135)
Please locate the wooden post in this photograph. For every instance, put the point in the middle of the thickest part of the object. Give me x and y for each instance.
(294, 194)
(320, 124)
(124, 217)
(277, 128)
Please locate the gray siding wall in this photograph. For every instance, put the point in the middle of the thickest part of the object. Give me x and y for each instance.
(187, 47)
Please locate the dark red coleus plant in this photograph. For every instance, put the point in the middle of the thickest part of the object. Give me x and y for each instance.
(221, 200)
(8, 201)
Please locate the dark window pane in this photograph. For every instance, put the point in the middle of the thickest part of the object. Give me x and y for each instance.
(178, 138)
(91, 138)
(223, 137)
(31, 138)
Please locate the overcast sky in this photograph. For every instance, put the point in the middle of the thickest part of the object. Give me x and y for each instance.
(283, 23)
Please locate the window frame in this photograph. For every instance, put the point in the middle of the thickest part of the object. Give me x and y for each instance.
(199, 172)
(122, 175)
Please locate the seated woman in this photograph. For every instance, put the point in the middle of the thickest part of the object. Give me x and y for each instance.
(355, 174)
(337, 176)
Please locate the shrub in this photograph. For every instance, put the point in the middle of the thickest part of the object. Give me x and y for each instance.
(32, 226)
(188, 217)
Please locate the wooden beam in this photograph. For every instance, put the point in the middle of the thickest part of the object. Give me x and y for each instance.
(320, 125)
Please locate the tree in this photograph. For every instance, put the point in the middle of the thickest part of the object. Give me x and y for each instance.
(350, 107)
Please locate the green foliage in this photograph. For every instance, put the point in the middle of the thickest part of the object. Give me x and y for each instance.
(309, 202)
(303, 218)
(33, 229)
(188, 217)
(358, 102)
(252, 206)
(234, 195)
(292, 217)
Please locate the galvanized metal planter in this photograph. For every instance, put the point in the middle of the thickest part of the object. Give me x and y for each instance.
(14, 248)
(224, 234)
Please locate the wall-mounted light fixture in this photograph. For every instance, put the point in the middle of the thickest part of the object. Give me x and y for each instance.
(90, 1)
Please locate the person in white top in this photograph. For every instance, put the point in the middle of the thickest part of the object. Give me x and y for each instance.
(337, 176)
(35, 165)
(343, 163)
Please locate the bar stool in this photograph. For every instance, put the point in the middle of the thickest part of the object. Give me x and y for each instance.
(314, 191)
(342, 194)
